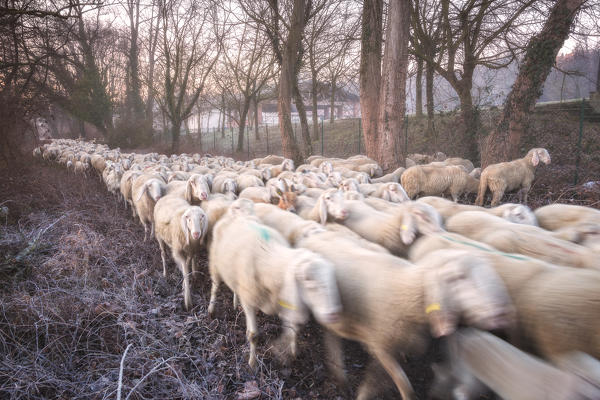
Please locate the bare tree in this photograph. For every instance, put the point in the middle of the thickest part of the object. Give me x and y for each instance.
(503, 143)
(190, 29)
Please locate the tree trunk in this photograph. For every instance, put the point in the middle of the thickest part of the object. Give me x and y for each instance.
(419, 89)
(315, 115)
(242, 126)
(175, 130)
(468, 119)
(392, 105)
(306, 143)
(224, 114)
(256, 136)
(429, 70)
(503, 143)
(598, 75)
(286, 82)
(370, 72)
(332, 102)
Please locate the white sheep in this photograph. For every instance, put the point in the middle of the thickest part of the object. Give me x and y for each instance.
(511, 175)
(126, 187)
(265, 273)
(433, 181)
(395, 230)
(182, 227)
(478, 357)
(523, 239)
(389, 305)
(393, 176)
(329, 205)
(558, 216)
(556, 307)
(146, 190)
(518, 213)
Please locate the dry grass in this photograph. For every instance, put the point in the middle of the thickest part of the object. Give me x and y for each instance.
(78, 287)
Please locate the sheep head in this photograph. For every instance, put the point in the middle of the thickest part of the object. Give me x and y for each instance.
(331, 202)
(194, 224)
(459, 285)
(353, 195)
(196, 188)
(395, 193)
(538, 154)
(287, 200)
(349, 184)
(311, 284)
(519, 214)
(229, 185)
(417, 218)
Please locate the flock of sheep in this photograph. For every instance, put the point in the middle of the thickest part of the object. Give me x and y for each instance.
(338, 240)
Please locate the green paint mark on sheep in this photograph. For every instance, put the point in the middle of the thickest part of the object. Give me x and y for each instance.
(264, 233)
(514, 256)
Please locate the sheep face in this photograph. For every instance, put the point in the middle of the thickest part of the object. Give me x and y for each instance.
(465, 286)
(287, 165)
(335, 178)
(266, 174)
(229, 185)
(419, 218)
(349, 184)
(395, 193)
(353, 195)
(194, 224)
(363, 177)
(520, 214)
(197, 188)
(154, 188)
(332, 203)
(287, 201)
(327, 167)
(539, 154)
(317, 285)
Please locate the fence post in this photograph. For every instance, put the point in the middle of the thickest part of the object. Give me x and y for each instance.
(267, 129)
(322, 139)
(579, 142)
(359, 128)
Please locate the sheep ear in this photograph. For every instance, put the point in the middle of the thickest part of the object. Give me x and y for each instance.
(189, 190)
(535, 159)
(436, 305)
(408, 229)
(144, 188)
(185, 229)
(322, 210)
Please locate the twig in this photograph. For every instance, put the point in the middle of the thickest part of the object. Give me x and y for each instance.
(121, 372)
(154, 369)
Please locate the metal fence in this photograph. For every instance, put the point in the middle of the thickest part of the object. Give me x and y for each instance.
(570, 130)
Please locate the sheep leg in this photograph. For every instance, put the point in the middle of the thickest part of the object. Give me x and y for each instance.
(216, 281)
(396, 372)
(251, 332)
(185, 270)
(235, 301)
(151, 229)
(335, 357)
(497, 197)
(163, 256)
(145, 231)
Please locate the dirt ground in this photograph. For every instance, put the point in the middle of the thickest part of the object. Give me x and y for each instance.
(79, 286)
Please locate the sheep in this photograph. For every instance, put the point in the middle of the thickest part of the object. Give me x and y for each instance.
(556, 307)
(523, 239)
(557, 216)
(98, 162)
(126, 187)
(478, 357)
(246, 180)
(285, 165)
(517, 213)
(271, 159)
(194, 190)
(182, 227)
(146, 190)
(374, 170)
(330, 204)
(511, 175)
(224, 185)
(265, 273)
(389, 304)
(395, 231)
(391, 177)
(256, 194)
(432, 181)
(454, 161)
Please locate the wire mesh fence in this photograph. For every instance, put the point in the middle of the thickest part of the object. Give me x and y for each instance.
(570, 130)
